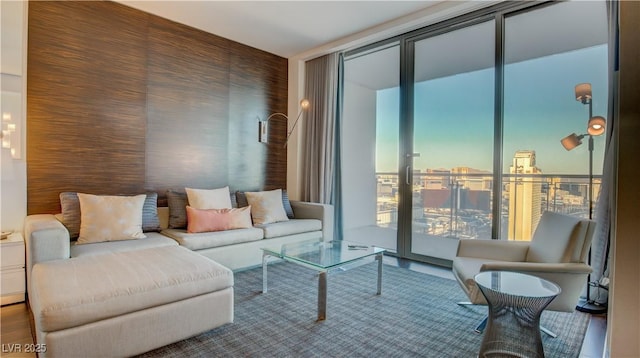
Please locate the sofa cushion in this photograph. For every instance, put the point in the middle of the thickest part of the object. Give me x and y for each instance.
(266, 206)
(82, 290)
(150, 217)
(110, 218)
(291, 227)
(177, 202)
(241, 199)
(208, 220)
(206, 240)
(209, 198)
(153, 239)
(70, 205)
(555, 239)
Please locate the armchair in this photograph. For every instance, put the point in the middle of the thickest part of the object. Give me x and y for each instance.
(557, 252)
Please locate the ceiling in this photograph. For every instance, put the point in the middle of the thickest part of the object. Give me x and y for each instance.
(284, 28)
(569, 26)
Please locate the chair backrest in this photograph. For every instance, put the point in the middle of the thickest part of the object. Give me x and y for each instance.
(561, 238)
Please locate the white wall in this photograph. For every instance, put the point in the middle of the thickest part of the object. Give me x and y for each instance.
(358, 166)
(13, 172)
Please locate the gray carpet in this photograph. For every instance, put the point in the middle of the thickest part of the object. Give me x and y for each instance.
(416, 316)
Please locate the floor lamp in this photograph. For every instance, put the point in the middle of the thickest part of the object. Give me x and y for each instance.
(595, 127)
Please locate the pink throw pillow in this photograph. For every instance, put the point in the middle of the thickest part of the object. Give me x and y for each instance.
(206, 220)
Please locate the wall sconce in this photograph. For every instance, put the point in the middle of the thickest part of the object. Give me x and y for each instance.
(10, 131)
(263, 126)
(10, 135)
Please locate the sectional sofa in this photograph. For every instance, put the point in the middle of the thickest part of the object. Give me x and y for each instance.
(121, 298)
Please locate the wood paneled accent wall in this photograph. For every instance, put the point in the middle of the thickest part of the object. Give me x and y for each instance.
(120, 101)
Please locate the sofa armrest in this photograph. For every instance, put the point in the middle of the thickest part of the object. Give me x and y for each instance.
(538, 267)
(500, 250)
(322, 212)
(46, 239)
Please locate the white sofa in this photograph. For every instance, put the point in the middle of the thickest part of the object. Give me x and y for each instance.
(122, 298)
(240, 249)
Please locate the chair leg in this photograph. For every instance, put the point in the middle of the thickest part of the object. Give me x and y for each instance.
(482, 325)
(465, 303)
(548, 332)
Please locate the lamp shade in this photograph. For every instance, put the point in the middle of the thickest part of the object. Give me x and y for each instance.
(583, 92)
(571, 141)
(304, 104)
(596, 126)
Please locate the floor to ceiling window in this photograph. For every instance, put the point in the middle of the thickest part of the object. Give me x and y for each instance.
(543, 65)
(370, 149)
(453, 131)
(453, 114)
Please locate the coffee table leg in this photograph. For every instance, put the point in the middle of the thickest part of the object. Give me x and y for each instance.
(264, 272)
(379, 258)
(322, 296)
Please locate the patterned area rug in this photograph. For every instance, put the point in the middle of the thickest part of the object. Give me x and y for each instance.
(416, 316)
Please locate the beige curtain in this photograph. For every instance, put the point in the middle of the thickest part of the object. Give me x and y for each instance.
(605, 204)
(319, 139)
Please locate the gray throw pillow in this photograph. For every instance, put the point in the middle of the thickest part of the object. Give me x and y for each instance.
(70, 205)
(177, 203)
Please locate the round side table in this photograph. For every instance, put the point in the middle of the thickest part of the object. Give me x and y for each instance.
(515, 303)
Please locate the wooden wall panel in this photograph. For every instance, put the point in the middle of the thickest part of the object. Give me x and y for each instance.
(121, 101)
(188, 96)
(258, 87)
(86, 94)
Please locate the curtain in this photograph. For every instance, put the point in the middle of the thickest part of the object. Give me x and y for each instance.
(605, 204)
(321, 174)
(337, 178)
(319, 139)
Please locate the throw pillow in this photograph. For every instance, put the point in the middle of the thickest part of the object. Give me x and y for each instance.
(70, 205)
(110, 218)
(287, 204)
(266, 206)
(150, 219)
(241, 200)
(206, 220)
(209, 198)
(177, 203)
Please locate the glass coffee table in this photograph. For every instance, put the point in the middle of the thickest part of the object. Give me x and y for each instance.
(322, 256)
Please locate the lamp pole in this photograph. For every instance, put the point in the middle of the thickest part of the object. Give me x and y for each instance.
(588, 305)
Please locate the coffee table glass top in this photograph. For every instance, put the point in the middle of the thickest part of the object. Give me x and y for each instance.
(324, 254)
(517, 284)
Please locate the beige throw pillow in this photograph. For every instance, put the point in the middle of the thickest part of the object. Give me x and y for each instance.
(266, 206)
(209, 198)
(110, 218)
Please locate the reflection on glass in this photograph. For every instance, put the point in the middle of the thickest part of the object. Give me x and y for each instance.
(543, 66)
(370, 135)
(453, 133)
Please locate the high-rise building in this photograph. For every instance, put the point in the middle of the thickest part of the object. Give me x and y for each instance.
(524, 196)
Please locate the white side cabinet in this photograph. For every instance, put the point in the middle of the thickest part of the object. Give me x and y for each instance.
(12, 273)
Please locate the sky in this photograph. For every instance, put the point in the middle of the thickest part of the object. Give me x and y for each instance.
(454, 115)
